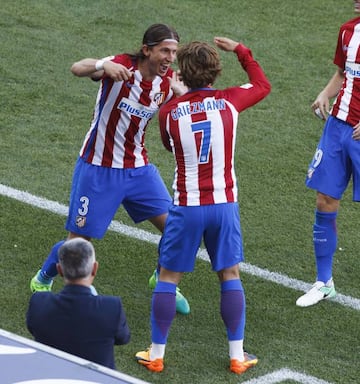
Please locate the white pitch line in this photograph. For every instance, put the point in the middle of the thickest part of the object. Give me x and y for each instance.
(140, 234)
(286, 374)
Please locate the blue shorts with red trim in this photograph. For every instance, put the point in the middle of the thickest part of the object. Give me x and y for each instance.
(218, 225)
(336, 159)
(97, 193)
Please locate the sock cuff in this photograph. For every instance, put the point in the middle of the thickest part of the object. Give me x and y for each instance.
(165, 287)
(231, 285)
(326, 215)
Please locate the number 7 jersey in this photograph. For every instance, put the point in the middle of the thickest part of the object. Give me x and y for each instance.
(200, 129)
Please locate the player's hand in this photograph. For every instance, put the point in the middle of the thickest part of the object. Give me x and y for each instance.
(225, 43)
(321, 106)
(356, 132)
(177, 85)
(117, 72)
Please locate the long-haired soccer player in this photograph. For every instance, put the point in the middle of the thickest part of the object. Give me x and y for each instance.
(113, 166)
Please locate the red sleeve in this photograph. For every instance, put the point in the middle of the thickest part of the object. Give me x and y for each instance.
(340, 58)
(346, 33)
(123, 59)
(258, 88)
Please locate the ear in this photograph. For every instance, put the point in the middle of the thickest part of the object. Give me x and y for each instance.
(58, 267)
(146, 50)
(95, 269)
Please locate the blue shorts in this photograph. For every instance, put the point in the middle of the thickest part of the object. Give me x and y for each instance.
(218, 225)
(97, 193)
(336, 159)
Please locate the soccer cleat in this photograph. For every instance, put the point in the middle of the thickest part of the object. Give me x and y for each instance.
(143, 358)
(182, 305)
(240, 367)
(38, 286)
(153, 280)
(318, 292)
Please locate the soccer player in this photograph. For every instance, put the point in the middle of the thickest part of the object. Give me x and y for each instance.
(337, 157)
(113, 167)
(200, 129)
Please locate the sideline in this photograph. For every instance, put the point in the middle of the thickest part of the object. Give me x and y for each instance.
(149, 237)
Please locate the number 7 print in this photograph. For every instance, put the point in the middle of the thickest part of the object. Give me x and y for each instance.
(205, 128)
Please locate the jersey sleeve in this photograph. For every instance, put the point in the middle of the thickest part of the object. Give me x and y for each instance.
(340, 57)
(258, 87)
(119, 59)
(123, 59)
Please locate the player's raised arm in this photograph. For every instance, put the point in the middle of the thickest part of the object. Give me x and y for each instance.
(225, 43)
(258, 86)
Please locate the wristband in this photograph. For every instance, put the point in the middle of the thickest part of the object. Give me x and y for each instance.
(99, 65)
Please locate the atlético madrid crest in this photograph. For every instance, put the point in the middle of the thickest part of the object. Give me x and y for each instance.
(159, 98)
(80, 221)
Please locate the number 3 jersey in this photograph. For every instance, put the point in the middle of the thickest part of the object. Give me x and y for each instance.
(122, 112)
(200, 129)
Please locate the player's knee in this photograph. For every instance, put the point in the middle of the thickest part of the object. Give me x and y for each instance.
(325, 203)
(231, 273)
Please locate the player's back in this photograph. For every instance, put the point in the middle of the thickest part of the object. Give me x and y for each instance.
(202, 126)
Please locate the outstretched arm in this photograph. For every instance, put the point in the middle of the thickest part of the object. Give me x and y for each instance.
(96, 68)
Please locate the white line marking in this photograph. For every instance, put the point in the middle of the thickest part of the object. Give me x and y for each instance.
(140, 234)
(286, 374)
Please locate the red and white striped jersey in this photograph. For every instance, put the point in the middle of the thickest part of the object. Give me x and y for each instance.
(346, 106)
(200, 129)
(122, 112)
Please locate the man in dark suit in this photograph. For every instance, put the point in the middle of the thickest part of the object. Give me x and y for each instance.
(77, 320)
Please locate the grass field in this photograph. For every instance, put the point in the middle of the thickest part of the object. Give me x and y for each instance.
(45, 112)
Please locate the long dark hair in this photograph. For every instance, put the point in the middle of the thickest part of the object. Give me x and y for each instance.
(154, 35)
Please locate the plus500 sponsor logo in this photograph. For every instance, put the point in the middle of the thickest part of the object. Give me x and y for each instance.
(135, 109)
(352, 69)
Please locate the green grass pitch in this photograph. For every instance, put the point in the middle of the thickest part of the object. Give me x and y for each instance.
(45, 112)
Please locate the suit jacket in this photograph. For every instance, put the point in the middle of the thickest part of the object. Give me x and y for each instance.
(77, 322)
